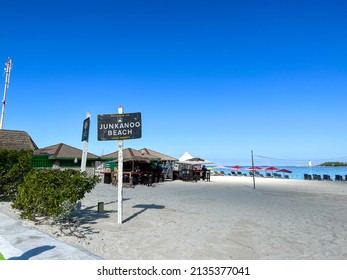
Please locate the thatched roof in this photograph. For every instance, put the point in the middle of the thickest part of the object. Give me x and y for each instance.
(16, 140)
(157, 154)
(63, 151)
(130, 154)
(144, 154)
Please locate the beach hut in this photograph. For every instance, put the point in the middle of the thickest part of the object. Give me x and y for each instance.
(132, 158)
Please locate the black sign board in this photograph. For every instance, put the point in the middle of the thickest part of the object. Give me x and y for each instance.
(85, 130)
(119, 126)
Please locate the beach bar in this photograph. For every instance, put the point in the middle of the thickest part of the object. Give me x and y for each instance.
(143, 166)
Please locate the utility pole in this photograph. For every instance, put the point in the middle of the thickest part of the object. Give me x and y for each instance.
(7, 83)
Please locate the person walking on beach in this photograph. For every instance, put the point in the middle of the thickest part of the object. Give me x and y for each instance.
(204, 169)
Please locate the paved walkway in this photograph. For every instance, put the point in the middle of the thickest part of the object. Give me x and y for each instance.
(20, 242)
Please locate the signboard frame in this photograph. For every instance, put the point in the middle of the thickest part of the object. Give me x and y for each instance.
(119, 126)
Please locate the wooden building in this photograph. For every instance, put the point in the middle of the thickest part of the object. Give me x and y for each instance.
(63, 156)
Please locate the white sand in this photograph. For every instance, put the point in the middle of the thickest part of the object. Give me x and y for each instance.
(222, 219)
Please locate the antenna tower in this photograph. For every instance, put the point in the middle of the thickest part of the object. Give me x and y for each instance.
(7, 83)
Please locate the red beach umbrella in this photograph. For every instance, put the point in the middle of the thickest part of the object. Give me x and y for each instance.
(219, 166)
(253, 168)
(271, 168)
(284, 171)
(236, 167)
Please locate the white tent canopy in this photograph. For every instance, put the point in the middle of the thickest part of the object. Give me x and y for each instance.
(186, 158)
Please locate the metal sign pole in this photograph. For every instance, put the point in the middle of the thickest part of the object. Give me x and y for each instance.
(120, 175)
(85, 147)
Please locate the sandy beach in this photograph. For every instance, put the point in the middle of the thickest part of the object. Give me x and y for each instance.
(223, 219)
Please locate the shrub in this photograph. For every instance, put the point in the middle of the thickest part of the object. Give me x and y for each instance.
(45, 192)
(14, 165)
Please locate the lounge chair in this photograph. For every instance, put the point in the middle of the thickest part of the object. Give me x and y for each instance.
(338, 178)
(326, 177)
(268, 175)
(317, 177)
(307, 177)
(212, 173)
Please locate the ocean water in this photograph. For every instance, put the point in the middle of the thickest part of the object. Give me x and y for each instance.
(298, 171)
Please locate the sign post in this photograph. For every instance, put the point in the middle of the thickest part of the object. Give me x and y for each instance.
(120, 175)
(119, 127)
(85, 139)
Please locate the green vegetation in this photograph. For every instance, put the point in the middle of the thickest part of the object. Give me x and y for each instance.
(14, 165)
(333, 163)
(51, 193)
(41, 192)
(2, 257)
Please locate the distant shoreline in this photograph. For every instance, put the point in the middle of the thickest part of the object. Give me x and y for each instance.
(333, 164)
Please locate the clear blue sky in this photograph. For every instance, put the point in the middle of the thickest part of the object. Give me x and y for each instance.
(214, 78)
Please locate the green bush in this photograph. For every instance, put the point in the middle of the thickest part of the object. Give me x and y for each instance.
(44, 192)
(14, 165)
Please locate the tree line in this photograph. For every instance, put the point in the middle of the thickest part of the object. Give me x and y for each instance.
(333, 163)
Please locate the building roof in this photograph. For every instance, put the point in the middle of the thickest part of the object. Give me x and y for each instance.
(130, 154)
(157, 154)
(63, 151)
(16, 140)
(138, 155)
